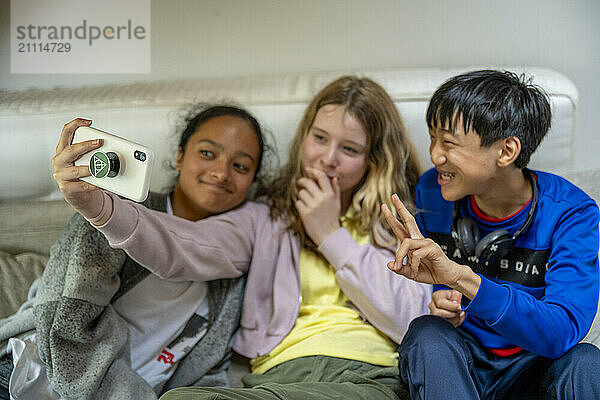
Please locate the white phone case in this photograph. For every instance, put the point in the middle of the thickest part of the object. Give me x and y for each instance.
(120, 165)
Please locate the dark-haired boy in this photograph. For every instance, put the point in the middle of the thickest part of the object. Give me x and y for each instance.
(513, 253)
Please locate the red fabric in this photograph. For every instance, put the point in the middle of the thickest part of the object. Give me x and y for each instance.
(484, 217)
(507, 352)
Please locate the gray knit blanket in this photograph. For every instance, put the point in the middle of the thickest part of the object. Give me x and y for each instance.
(82, 340)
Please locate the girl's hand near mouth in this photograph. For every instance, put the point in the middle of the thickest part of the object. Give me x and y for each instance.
(319, 204)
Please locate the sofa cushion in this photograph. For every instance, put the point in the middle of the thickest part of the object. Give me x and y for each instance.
(586, 180)
(589, 182)
(17, 273)
(32, 226)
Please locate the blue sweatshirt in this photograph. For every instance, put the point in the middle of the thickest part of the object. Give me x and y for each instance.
(543, 295)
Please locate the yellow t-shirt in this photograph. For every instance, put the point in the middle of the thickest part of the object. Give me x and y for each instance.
(327, 322)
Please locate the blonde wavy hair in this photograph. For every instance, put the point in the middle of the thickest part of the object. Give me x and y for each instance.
(392, 166)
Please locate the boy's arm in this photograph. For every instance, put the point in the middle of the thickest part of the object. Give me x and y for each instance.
(552, 325)
(548, 327)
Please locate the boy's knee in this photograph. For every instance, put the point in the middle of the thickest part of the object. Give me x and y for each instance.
(582, 358)
(428, 332)
(428, 325)
(574, 375)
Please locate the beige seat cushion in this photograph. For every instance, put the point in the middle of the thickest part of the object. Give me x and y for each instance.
(32, 226)
(17, 273)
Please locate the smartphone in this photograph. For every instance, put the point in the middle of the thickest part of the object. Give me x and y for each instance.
(119, 165)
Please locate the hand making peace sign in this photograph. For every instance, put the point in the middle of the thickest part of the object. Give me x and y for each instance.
(419, 258)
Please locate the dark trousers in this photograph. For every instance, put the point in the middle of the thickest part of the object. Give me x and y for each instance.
(438, 361)
(6, 367)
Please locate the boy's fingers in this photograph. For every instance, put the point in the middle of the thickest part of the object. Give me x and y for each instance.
(415, 263)
(456, 321)
(396, 226)
(400, 270)
(447, 299)
(408, 262)
(455, 295)
(448, 304)
(445, 313)
(407, 218)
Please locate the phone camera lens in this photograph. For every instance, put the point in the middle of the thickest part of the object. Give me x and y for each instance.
(139, 155)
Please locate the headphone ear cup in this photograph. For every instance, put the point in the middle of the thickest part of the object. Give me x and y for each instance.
(468, 235)
(494, 246)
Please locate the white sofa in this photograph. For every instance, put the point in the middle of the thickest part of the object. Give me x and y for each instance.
(30, 120)
(32, 213)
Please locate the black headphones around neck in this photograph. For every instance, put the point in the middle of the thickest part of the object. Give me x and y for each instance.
(496, 244)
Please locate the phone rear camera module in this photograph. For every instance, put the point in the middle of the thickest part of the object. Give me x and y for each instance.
(139, 155)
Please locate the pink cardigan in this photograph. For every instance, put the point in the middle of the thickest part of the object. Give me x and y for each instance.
(247, 240)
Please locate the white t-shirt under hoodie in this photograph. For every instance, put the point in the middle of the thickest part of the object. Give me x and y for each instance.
(166, 319)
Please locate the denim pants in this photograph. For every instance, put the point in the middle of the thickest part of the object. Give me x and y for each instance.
(438, 361)
(6, 367)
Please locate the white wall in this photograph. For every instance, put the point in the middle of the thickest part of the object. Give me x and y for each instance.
(201, 38)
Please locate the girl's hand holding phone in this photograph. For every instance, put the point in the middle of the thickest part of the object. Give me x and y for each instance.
(84, 197)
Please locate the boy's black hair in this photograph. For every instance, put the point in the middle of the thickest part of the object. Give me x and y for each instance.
(496, 105)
